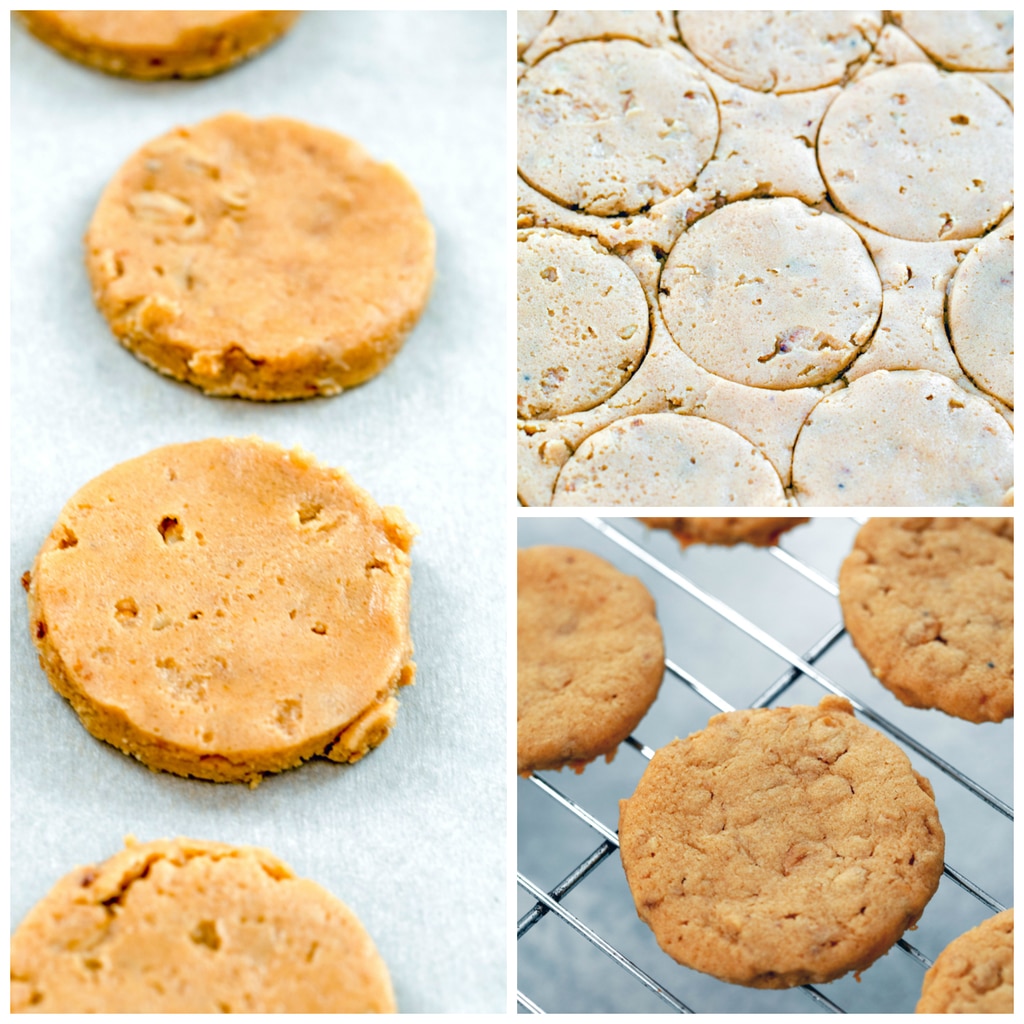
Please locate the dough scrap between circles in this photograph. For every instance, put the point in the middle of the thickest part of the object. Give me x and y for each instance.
(929, 605)
(159, 44)
(225, 608)
(267, 259)
(590, 657)
(781, 847)
(962, 40)
(191, 926)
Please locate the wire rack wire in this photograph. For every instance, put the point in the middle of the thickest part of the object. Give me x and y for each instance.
(594, 955)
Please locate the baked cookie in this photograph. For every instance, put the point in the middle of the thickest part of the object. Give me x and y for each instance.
(226, 608)
(590, 657)
(781, 847)
(159, 44)
(929, 605)
(262, 258)
(762, 532)
(189, 926)
(974, 973)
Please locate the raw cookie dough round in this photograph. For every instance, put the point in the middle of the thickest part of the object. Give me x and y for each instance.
(612, 127)
(226, 608)
(667, 459)
(159, 44)
(771, 293)
(582, 324)
(903, 437)
(780, 51)
(918, 153)
(929, 604)
(762, 532)
(981, 315)
(962, 40)
(781, 847)
(262, 258)
(590, 657)
(190, 926)
(974, 973)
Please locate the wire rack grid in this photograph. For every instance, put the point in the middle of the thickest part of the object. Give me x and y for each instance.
(755, 628)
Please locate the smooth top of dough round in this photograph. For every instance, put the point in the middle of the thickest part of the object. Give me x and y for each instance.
(771, 293)
(920, 154)
(582, 324)
(780, 51)
(667, 459)
(612, 127)
(962, 40)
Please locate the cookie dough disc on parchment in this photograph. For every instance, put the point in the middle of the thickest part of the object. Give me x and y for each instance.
(190, 926)
(582, 324)
(920, 154)
(612, 127)
(590, 658)
(771, 293)
(262, 258)
(226, 608)
(780, 51)
(782, 846)
(903, 437)
(929, 604)
(667, 459)
(962, 40)
(159, 44)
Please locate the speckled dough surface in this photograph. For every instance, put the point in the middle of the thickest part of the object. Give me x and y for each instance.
(760, 531)
(590, 657)
(189, 926)
(929, 604)
(962, 40)
(159, 44)
(226, 608)
(781, 847)
(262, 258)
(974, 973)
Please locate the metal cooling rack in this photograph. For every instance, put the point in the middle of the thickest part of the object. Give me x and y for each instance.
(594, 955)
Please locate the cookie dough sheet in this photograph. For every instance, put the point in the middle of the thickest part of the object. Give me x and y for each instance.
(412, 838)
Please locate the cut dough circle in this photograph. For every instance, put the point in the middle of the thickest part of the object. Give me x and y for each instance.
(962, 40)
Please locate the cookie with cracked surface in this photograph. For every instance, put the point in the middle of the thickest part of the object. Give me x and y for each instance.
(159, 44)
(759, 531)
(781, 847)
(929, 605)
(267, 259)
(590, 657)
(974, 973)
(226, 608)
(190, 926)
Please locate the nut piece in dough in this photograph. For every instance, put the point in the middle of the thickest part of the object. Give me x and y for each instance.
(262, 258)
(962, 40)
(781, 847)
(226, 608)
(590, 657)
(929, 604)
(190, 926)
(759, 531)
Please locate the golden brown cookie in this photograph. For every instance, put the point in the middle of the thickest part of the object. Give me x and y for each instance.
(929, 604)
(762, 532)
(262, 258)
(974, 973)
(226, 608)
(159, 44)
(189, 926)
(590, 657)
(781, 847)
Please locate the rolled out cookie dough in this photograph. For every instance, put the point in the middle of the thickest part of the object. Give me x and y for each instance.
(226, 608)
(262, 258)
(962, 40)
(666, 459)
(771, 293)
(903, 437)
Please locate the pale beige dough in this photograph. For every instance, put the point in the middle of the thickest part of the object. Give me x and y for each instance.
(664, 459)
(649, 27)
(919, 153)
(962, 40)
(981, 315)
(612, 127)
(903, 437)
(780, 51)
(582, 323)
(528, 25)
(771, 293)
